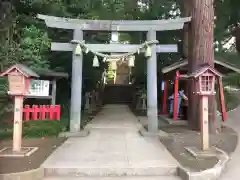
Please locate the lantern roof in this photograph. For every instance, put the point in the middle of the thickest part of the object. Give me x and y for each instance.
(204, 69)
(24, 70)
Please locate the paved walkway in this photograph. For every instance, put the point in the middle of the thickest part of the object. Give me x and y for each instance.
(232, 171)
(114, 146)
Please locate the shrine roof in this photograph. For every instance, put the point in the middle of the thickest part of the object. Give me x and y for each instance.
(52, 74)
(26, 71)
(223, 62)
(202, 70)
(31, 72)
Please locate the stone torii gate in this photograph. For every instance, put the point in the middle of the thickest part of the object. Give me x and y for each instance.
(80, 25)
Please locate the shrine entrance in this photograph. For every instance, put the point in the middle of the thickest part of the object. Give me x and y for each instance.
(118, 52)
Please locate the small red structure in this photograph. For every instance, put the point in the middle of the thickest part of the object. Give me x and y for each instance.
(224, 66)
(18, 80)
(178, 77)
(42, 112)
(169, 73)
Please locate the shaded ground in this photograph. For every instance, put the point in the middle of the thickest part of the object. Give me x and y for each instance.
(137, 112)
(181, 137)
(46, 147)
(88, 116)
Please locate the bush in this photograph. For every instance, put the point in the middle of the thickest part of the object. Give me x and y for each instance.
(37, 129)
(42, 128)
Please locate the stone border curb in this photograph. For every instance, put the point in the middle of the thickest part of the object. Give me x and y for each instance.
(22, 154)
(209, 174)
(34, 174)
(82, 133)
(105, 172)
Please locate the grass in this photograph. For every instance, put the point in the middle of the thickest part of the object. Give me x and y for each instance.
(39, 128)
(230, 58)
(231, 101)
(36, 129)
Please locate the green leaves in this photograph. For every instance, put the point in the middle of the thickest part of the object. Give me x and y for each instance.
(34, 48)
(227, 18)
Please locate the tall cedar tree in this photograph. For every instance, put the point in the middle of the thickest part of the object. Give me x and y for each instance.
(201, 51)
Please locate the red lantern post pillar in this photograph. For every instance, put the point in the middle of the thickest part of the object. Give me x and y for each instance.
(204, 122)
(222, 103)
(164, 107)
(175, 97)
(17, 128)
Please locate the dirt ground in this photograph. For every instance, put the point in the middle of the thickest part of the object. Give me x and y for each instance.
(181, 137)
(19, 164)
(45, 148)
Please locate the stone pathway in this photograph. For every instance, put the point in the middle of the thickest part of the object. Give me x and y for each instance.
(113, 148)
(232, 170)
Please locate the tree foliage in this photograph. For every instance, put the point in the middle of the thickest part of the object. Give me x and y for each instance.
(26, 39)
(34, 48)
(227, 21)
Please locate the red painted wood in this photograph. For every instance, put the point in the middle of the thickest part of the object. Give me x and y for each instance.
(175, 98)
(51, 112)
(164, 107)
(43, 112)
(58, 112)
(35, 112)
(26, 112)
(222, 101)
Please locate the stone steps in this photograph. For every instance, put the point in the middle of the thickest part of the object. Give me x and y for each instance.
(111, 171)
(116, 178)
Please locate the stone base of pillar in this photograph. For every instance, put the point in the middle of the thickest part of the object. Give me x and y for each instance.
(143, 132)
(82, 133)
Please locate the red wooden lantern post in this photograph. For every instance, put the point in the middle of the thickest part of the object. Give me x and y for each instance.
(205, 79)
(165, 89)
(222, 101)
(175, 98)
(18, 80)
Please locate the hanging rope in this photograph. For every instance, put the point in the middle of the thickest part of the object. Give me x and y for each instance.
(86, 49)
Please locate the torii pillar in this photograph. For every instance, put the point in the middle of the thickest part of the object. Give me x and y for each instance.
(152, 104)
(76, 88)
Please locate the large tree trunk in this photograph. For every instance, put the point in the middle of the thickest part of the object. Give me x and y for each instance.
(186, 30)
(187, 39)
(236, 33)
(202, 52)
